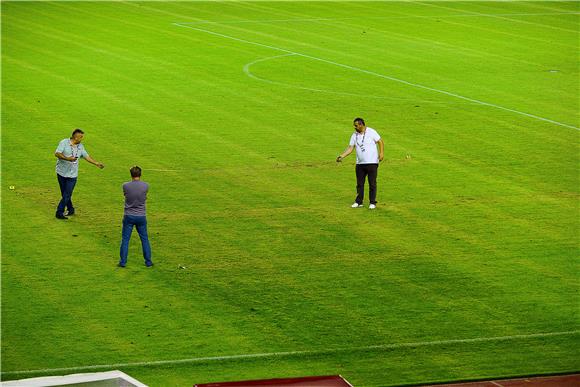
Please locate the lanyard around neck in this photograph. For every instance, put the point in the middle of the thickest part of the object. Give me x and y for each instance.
(73, 148)
(363, 139)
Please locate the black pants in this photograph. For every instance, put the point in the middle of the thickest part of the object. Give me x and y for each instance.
(362, 171)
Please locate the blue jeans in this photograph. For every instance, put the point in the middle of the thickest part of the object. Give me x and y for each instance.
(141, 223)
(67, 185)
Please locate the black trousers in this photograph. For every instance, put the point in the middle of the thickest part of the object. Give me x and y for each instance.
(362, 171)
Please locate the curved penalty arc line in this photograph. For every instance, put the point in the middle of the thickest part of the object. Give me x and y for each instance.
(249, 73)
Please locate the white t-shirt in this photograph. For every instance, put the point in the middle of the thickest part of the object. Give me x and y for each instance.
(365, 145)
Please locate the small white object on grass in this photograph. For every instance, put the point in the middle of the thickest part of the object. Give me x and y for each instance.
(12, 187)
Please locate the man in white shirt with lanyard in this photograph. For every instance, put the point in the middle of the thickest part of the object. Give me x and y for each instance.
(365, 141)
(68, 153)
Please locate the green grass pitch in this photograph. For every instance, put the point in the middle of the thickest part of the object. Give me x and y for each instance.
(236, 112)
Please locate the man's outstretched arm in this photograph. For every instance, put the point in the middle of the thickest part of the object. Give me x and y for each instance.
(94, 162)
(345, 153)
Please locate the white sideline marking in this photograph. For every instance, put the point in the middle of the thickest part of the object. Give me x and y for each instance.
(498, 16)
(292, 353)
(378, 17)
(380, 76)
(162, 170)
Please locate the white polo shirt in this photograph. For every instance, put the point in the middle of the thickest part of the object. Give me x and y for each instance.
(69, 168)
(366, 146)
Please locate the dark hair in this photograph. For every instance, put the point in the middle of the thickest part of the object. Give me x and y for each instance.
(135, 171)
(359, 120)
(77, 130)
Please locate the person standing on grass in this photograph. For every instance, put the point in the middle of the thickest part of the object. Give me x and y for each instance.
(68, 153)
(365, 140)
(134, 215)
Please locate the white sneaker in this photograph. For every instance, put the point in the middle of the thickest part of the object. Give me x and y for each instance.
(356, 205)
(372, 206)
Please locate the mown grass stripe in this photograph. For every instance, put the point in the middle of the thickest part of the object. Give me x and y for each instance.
(296, 353)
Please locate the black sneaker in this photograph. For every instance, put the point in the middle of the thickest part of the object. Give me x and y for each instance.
(119, 265)
(70, 213)
(61, 216)
(149, 264)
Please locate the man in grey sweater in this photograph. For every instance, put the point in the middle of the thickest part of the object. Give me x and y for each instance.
(135, 197)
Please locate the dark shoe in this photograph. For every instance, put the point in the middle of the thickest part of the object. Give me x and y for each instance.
(61, 216)
(119, 265)
(149, 265)
(70, 213)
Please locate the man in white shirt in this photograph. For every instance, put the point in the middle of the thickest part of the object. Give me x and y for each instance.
(365, 141)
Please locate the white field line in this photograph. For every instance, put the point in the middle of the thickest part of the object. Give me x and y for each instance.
(249, 73)
(378, 17)
(162, 170)
(294, 353)
(524, 380)
(381, 76)
(502, 17)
